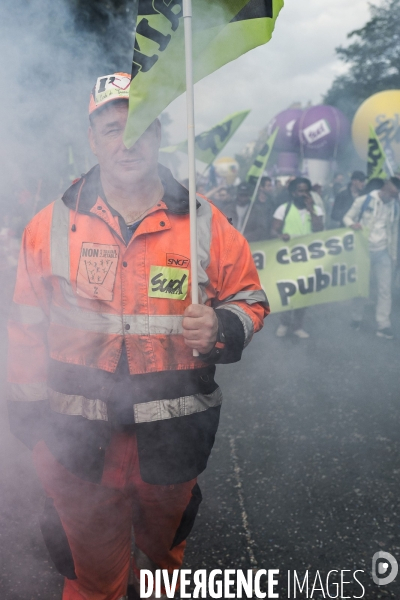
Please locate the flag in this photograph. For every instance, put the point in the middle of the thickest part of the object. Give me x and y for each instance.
(210, 143)
(223, 30)
(376, 156)
(258, 167)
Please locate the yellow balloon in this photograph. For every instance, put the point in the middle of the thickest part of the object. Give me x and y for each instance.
(382, 112)
(227, 167)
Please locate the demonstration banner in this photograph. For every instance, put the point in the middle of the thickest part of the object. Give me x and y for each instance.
(223, 30)
(328, 266)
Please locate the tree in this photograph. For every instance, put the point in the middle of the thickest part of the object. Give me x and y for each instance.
(373, 57)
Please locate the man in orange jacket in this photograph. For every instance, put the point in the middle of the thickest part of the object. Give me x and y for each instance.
(103, 383)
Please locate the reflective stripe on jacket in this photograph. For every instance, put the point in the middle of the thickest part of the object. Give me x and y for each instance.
(96, 324)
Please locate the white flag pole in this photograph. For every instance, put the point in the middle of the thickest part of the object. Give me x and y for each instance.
(187, 21)
(389, 167)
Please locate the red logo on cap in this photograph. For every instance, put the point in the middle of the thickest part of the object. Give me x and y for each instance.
(119, 82)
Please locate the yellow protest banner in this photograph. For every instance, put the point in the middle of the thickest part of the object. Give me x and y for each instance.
(328, 266)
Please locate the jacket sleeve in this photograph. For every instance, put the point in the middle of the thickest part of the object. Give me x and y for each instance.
(240, 302)
(353, 213)
(27, 354)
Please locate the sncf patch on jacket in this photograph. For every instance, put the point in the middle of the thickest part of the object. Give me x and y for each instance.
(168, 282)
(97, 271)
(177, 260)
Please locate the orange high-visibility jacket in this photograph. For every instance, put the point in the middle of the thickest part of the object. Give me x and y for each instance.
(96, 329)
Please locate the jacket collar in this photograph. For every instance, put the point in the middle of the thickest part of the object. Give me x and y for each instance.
(176, 197)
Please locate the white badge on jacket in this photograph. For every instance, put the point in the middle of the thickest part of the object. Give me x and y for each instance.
(97, 271)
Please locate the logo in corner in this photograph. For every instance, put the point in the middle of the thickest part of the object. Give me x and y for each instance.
(384, 568)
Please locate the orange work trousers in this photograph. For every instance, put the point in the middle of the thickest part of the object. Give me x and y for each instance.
(98, 518)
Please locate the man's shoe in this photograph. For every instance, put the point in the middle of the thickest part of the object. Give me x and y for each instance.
(356, 325)
(301, 334)
(281, 331)
(386, 333)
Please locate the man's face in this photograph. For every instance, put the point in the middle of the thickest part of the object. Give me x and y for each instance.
(243, 198)
(389, 192)
(122, 166)
(301, 192)
(223, 195)
(267, 187)
(265, 192)
(358, 185)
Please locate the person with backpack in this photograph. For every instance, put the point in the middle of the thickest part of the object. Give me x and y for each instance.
(300, 216)
(345, 197)
(378, 212)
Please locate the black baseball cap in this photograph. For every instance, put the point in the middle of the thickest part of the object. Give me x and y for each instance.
(358, 176)
(244, 188)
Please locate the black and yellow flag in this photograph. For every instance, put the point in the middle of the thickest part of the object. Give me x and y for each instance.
(376, 156)
(223, 30)
(210, 143)
(258, 166)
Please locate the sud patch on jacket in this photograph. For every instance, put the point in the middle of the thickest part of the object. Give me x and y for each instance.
(97, 271)
(168, 282)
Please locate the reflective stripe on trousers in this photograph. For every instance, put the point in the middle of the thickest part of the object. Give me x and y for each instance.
(146, 412)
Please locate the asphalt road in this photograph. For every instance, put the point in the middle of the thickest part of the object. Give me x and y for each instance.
(304, 474)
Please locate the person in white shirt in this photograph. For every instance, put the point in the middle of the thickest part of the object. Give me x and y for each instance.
(378, 212)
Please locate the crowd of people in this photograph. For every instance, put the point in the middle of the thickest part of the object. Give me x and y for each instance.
(296, 207)
(334, 200)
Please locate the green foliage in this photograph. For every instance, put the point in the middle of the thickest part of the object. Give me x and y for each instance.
(373, 57)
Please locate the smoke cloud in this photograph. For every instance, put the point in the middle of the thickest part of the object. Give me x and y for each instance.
(51, 60)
